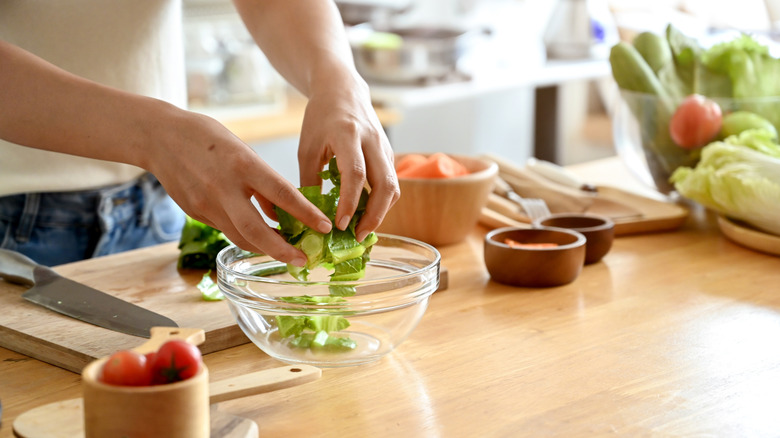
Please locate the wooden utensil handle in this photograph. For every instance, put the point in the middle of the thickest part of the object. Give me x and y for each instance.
(262, 381)
(507, 208)
(160, 335)
(492, 219)
(16, 267)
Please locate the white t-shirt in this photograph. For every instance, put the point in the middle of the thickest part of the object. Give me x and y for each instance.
(133, 45)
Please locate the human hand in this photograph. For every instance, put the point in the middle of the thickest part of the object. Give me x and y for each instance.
(213, 175)
(343, 123)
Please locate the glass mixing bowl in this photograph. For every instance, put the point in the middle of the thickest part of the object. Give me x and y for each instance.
(640, 128)
(331, 324)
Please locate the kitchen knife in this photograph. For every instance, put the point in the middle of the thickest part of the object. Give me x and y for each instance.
(77, 300)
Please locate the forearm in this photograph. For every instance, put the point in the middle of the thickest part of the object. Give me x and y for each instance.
(305, 41)
(47, 108)
(44, 107)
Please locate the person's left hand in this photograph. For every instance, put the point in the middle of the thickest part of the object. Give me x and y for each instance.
(342, 122)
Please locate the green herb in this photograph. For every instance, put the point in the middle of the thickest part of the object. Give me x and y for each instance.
(338, 251)
(199, 245)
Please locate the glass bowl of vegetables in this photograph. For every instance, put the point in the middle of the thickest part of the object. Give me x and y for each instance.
(679, 94)
(325, 322)
(655, 137)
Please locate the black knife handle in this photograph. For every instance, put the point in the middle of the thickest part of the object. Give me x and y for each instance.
(16, 267)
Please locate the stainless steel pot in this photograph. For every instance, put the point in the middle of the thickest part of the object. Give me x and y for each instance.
(426, 54)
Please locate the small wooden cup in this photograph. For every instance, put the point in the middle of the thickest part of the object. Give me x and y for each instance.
(599, 231)
(171, 410)
(534, 267)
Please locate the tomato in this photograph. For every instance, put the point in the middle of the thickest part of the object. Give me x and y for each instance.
(149, 363)
(126, 368)
(696, 122)
(175, 360)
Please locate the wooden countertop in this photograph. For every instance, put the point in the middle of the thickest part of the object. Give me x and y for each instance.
(671, 334)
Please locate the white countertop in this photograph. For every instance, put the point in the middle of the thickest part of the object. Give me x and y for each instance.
(491, 80)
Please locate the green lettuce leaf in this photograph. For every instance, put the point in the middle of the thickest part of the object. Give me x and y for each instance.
(752, 70)
(208, 289)
(199, 245)
(338, 251)
(331, 249)
(738, 177)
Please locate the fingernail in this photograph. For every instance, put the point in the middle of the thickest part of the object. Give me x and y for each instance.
(324, 227)
(344, 222)
(361, 236)
(299, 262)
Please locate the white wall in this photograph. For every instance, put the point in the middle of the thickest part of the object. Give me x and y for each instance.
(500, 123)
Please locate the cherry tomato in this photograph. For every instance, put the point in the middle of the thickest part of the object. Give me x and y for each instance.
(175, 360)
(696, 122)
(126, 368)
(149, 364)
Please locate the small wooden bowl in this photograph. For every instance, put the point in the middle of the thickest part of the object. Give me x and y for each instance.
(534, 267)
(599, 231)
(441, 211)
(171, 410)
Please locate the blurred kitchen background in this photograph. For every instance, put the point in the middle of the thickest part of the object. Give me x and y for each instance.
(516, 78)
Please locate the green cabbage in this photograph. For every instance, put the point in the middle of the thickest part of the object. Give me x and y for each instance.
(753, 71)
(738, 177)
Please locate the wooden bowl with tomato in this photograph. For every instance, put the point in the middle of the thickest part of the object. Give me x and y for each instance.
(442, 196)
(160, 388)
(534, 257)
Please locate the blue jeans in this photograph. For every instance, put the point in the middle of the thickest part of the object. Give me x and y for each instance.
(63, 227)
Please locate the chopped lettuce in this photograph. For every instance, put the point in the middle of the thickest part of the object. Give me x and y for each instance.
(208, 289)
(738, 177)
(315, 331)
(338, 251)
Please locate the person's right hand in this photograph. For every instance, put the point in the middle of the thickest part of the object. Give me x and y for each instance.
(213, 176)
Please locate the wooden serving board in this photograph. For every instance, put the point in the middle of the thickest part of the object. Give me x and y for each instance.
(146, 277)
(653, 215)
(632, 212)
(749, 237)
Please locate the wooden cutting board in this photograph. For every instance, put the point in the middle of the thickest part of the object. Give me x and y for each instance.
(146, 277)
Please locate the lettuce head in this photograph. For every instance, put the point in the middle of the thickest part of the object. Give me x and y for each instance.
(738, 177)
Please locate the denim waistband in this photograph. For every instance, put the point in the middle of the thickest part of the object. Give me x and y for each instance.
(76, 208)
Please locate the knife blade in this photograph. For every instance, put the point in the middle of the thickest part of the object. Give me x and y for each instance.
(79, 301)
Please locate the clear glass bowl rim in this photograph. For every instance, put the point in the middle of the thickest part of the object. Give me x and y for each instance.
(360, 302)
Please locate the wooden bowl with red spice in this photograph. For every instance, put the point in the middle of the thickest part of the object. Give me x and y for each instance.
(534, 257)
(441, 200)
